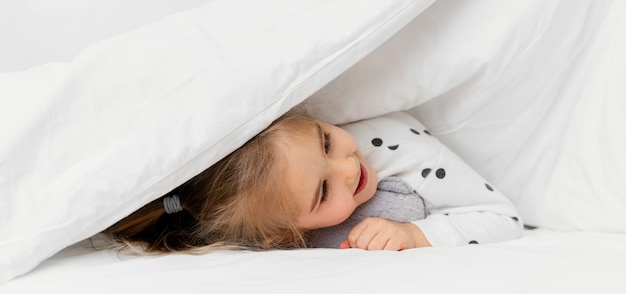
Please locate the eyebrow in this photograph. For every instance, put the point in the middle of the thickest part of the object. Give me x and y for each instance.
(317, 195)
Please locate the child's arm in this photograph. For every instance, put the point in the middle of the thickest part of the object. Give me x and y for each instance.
(464, 208)
(381, 234)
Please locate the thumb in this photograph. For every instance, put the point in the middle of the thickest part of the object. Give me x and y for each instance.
(344, 245)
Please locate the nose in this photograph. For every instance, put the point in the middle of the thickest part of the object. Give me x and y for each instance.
(345, 168)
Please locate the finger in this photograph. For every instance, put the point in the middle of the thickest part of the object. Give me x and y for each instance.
(345, 244)
(378, 242)
(355, 234)
(384, 240)
(366, 238)
(364, 232)
(392, 245)
(363, 238)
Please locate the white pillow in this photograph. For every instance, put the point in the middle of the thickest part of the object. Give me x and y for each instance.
(531, 94)
(86, 143)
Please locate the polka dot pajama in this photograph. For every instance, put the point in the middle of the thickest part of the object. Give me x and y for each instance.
(463, 207)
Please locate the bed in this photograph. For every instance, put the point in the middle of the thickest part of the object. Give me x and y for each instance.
(530, 93)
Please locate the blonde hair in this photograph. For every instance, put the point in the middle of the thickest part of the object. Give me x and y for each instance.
(238, 202)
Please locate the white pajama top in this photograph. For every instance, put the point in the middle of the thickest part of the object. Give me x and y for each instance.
(463, 207)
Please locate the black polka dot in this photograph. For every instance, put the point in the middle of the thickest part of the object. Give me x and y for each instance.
(473, 242)
(488, 187)
(515, 218)
(377, 142)
(415, 131)
(427, 132)
(440, 173)
(394, 147)
(425, 172)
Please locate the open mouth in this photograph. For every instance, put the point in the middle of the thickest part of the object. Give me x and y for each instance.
(362, 180)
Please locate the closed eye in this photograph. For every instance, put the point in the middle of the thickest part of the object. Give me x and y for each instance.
(324, 192)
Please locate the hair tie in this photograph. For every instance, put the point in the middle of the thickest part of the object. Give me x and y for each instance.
(172, 204)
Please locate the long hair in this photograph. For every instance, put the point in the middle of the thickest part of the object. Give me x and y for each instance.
(238, 202)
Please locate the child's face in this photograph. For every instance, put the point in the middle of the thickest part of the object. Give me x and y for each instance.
(327, 174)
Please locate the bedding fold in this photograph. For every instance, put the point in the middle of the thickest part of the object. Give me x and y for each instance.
(133, 116)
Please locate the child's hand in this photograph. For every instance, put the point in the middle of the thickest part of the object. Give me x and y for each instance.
(381, 234)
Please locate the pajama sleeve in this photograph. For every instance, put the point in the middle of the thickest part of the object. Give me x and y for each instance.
(463, 207)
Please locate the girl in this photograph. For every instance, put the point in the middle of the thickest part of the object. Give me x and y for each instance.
(300, 175)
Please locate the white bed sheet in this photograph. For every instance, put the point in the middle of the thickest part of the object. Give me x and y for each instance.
(590, 38)
(542, 261)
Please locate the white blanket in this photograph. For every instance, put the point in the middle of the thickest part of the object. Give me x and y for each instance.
(529, 93)
(86, 143)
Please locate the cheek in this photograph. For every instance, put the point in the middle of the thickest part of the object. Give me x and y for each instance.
(367, 193)
(332, 214)
(341, 211)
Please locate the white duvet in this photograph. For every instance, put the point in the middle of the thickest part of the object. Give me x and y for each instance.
(530, 93)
